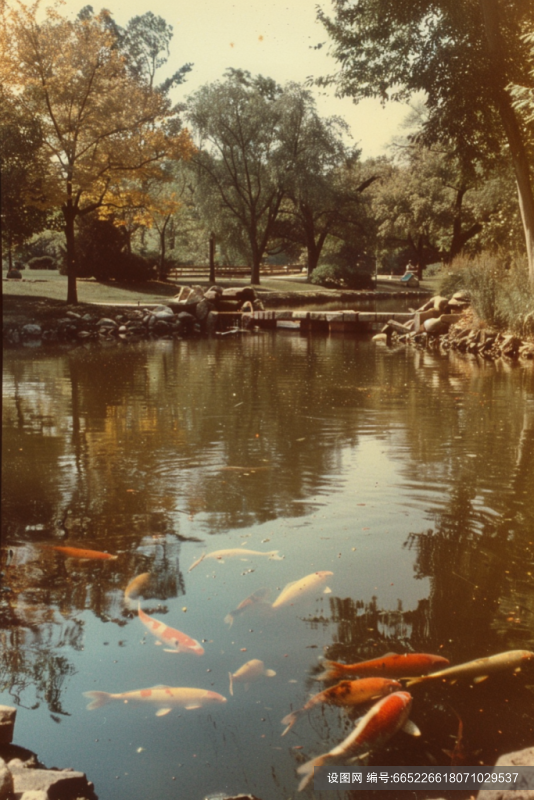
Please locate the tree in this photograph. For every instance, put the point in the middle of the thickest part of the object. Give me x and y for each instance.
(323, 202)
(250, 132)
(463, 54)
(429, 204)
(20, 149)
(102, 121)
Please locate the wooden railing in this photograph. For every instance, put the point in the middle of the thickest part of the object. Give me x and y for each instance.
(233, 272)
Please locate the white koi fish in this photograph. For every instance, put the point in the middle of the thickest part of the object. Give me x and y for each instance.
(372, 731)
(136, 585)
(237, 552)
(249, 672)
(164, 697)
(479, 669)
(297, 589)
(179, 642)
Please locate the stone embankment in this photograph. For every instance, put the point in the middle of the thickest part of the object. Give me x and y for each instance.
(22, 777)
(450, 324)
(193, 311)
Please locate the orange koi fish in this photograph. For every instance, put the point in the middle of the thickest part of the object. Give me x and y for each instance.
(372, 731)
(78, 552)
(297, 589)
(164, 697)
(251, 600)
(236, 552)
(479, 669)
(389, 666)
(136, 586)
(346, 693)
(249, 672)
(179, 642)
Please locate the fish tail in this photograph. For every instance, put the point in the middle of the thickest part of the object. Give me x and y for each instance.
(197, 562)
(307, 770)
(229, 620)
(273, 555)
(98, 699)
(290, 720)
(333, 670)
(411, 681)
(231, 683)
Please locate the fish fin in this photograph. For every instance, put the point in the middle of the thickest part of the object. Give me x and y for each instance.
(197, 562)
(170, 650)
(162, 711)
(327, 590)
(332, 671)
(157, 644)
(480, 678)
(229, 620)
(270, 673)
(192, 706)
(361, 757)
(273, 555)
(411, 728)
(307, 770)
(231, 683)
(289, 720)
(98, 699)
(411, 681)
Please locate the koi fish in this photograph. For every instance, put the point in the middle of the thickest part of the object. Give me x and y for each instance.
(372, 731)
(346, 693)
(180, 642)
(136, 585)
(479, 669)
(249, 672)
(165, 697)
(78, 552)
(391, 665)
(238, 552)
(297, 589)
(251, 600)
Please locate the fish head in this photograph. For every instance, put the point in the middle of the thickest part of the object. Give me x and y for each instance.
(214, 697)
(324, 574)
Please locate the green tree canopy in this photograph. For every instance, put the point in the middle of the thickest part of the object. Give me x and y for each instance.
(462, 54)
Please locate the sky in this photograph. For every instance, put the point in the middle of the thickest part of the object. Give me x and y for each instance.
(274, 38)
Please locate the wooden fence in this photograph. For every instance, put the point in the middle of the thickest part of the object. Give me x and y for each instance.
(233, 272)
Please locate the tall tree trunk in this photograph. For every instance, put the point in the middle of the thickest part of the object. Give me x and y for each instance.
(212, 258)
(490, 14)
(69, 214)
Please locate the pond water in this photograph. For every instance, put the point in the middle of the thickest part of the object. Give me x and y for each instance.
(408, 475)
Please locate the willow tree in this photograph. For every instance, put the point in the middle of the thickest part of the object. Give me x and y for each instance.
(102, 120)
(462, 54)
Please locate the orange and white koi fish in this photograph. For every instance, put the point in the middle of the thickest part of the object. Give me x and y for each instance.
(164, 697)
(372, 731)
(136, 586)
(346, 693)
(391, 665)
(237, 552)
(79, 552)
(249, 672)
(244, 605)
(297, 589)
(179, 642)
(478, 670)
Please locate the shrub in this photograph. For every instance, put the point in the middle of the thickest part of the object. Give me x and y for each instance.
(498, 287)
(335, 276)
(42, 262)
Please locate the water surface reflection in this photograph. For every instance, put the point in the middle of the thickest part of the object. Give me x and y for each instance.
(406, 474)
